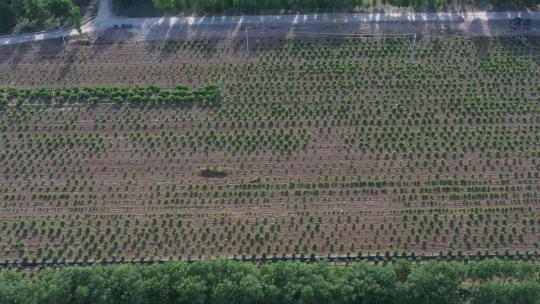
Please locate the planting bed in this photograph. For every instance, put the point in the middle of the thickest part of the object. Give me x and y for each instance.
(323, 145)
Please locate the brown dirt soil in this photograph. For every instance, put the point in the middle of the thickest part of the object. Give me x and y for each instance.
(421, 151)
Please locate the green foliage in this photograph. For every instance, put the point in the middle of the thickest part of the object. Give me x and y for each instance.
(435, 283)
(205, 95)
(209, 95)
(3, 102)
(222, 281)
(507, 292)
(14, 288)
(368, 284)
(7, 15)
(37, 11)
(250, 6)
(34, 10)
(65, 10)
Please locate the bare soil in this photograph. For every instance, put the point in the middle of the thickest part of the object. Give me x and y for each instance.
(419, 150)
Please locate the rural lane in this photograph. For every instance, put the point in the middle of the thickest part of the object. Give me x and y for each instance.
(105, 19)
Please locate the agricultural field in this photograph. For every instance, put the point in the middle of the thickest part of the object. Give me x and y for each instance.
(315, 146)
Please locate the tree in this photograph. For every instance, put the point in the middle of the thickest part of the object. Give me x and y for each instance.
(402, 269)
(435, 283)
(250, 290)
(162, 5)
(59, 8)
(53, 288)
(317, 290)
(38, 11)
(34, 10)
(81, 295)
(65, 10)
(153, 285)
(486, 270)
(191, 290)
(225, 293)
(7, 16)
(75, 17)
(368, 284)
(507, 292)
(123, 285)
(15, 288)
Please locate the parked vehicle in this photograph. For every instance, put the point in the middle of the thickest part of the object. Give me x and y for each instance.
(527, 24)
(515, 23)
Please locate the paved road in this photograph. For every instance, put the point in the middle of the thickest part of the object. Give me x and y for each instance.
(106, 20)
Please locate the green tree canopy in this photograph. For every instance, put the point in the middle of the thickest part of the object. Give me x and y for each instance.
(212, 282)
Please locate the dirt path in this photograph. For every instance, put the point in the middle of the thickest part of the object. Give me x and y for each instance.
(258, 30)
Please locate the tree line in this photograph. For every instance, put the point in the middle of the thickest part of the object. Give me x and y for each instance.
(37, 11)
(261, 6)
(225, 281)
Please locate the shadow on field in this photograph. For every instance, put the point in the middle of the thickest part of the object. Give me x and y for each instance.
(71, 58)
(6, 52)
(50, 48)
(18, 52)
(482, 45)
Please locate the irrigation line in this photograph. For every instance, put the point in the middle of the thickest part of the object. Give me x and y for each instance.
(322, 34)
(349, 35)
(414, 35)
(210, 61)
(247, 42)
(259, 259)
(62, 34)
(413, 47)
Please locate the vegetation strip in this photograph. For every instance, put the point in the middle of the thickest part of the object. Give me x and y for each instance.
(208, 95)
(258, 6)
(221, 281)
(38, 12)
(526, 256)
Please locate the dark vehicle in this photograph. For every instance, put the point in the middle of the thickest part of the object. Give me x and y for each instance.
(515, 23)
(527, 24)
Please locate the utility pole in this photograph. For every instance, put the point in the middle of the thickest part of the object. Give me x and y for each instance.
(247, 41)
(413, 46)
(62, 34)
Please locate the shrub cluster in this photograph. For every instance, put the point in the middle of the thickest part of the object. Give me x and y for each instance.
(223, 281)
(38, 11)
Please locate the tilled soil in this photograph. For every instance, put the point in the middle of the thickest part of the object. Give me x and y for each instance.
(418, 150)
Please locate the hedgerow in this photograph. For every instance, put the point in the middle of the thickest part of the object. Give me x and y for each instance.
(208, 95)
(222, 281)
